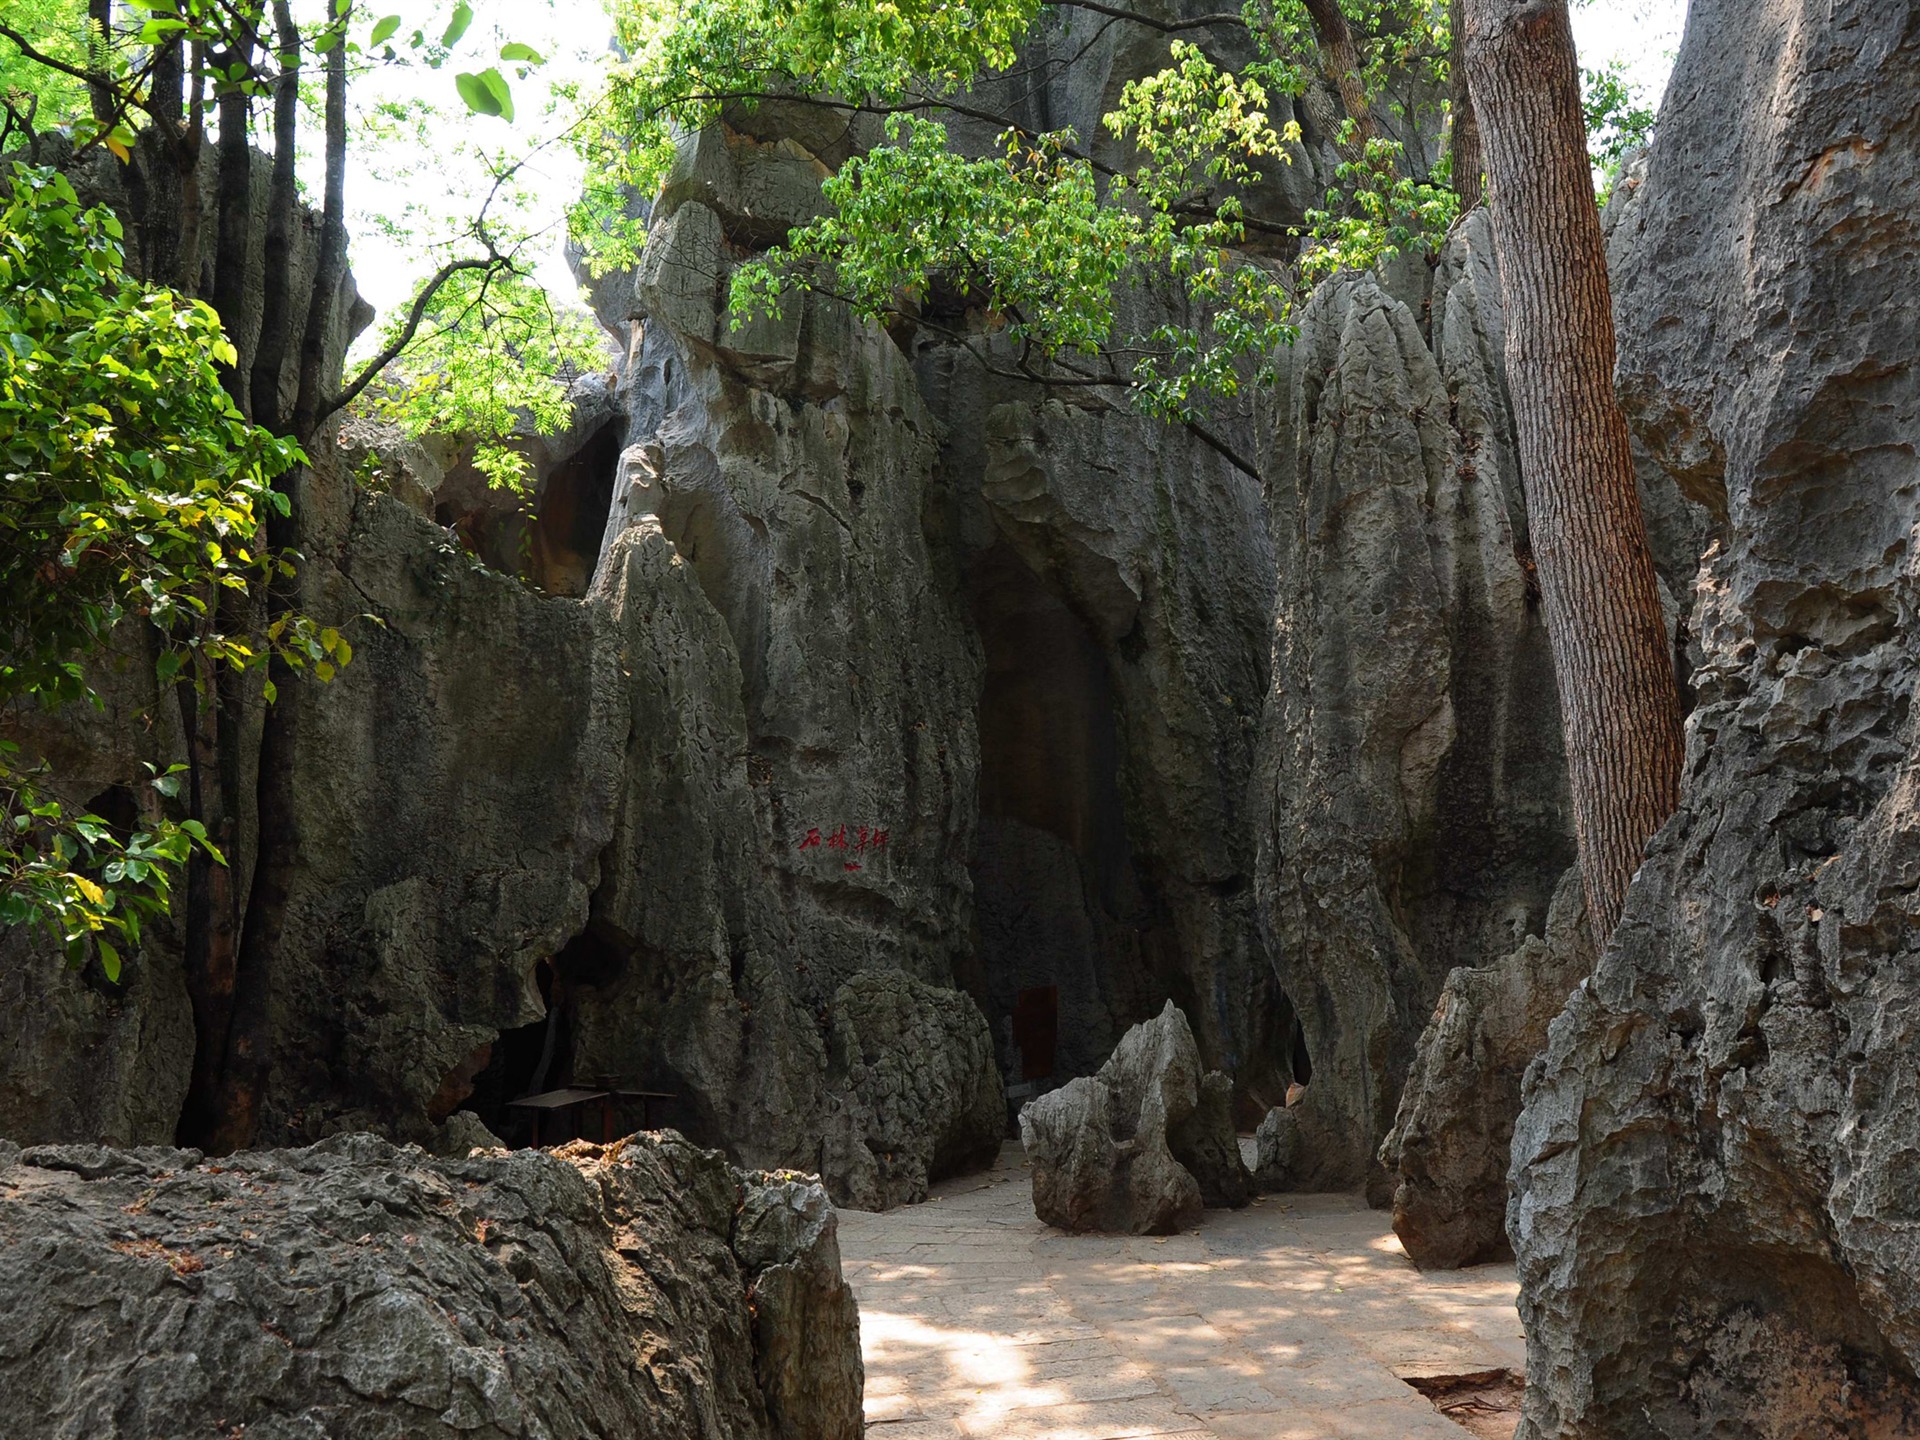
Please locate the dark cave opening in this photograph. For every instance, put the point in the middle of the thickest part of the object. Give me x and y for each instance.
(538, 1057)
(570, 516)
(1071, 947)
(551, 539)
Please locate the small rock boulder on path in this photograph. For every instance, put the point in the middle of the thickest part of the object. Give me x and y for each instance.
(1142, 1147)
(357, 1290)
(1449, 1148)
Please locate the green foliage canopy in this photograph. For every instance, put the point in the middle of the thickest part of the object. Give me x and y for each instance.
(1036, 233)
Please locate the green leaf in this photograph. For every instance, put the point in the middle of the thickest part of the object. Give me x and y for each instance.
(502, 96)
(109, 960)
(514, 50)
(477, 93)
(384, 30)
(462, 18)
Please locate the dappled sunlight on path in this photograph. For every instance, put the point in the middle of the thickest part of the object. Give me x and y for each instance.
(1297, 1318)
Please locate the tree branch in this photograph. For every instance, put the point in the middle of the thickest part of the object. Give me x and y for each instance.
(1165, 27)
(415, 315)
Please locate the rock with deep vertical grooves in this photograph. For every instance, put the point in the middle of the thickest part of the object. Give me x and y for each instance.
(1410, 764)
(368, 1292)
(1125, 1150)
(1716, 1205)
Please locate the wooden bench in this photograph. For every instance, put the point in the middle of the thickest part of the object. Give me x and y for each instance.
(573, 1097)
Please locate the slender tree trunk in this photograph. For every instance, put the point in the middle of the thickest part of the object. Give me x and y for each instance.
(1619, 704)
(235, 201)
(1463, 131)
(100, 93)
(192, 137)
(330, 272)
(276, 321)
(248, 1052)
(1341, 59)
(224, 778)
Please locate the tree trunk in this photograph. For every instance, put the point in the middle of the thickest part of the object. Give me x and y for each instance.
(1463, 130)
(101, 96)
(234, 205)
(330, 271)
(1619, 704)
(1340, 58)
(276, 320)
(247, 1056)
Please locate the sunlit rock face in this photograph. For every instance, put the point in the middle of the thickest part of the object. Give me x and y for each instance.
(1715, 1200)
(362, 1289)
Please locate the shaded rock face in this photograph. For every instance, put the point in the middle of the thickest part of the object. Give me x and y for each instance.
(550, 536)
(1020, 639)
(358, 1289)
(786, 893)
(1415, 810)
(926, 1094)
(1140, 1148)
(1119, 575)
(414, 915)
(1714, 1194)
(1448, 1151)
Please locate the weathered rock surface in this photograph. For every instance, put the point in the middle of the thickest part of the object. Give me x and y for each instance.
(1140, 1148)
(1450, 1144)
(786, 894)
(356, 1289)
(1716, 1211)
(918, 1064)
(414, 910)
(1410, 748)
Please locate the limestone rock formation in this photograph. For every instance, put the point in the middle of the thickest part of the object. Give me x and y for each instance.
(1140, 1148)
(1410, 759)
(1714, 1182)
(786, 892)
(414, 909)
(356, 1289)
(925, 1091)
(1450, 1143)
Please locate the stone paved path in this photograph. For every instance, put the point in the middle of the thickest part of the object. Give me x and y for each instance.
(1294, 1319)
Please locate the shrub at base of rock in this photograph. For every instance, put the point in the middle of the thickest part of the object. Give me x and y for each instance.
(1141, 1148)
(1449, 1147)
(361, 1291)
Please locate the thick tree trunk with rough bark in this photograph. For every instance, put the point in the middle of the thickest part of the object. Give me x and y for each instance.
(1619, 704)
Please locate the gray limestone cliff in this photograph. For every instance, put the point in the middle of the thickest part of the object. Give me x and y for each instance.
(1716, 1209)
(846, 730)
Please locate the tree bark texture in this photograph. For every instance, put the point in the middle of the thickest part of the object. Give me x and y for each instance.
(1340, 58)
(234, 206)
(276, 319)
(1463, 131)
(330, 270)
(1619, 703)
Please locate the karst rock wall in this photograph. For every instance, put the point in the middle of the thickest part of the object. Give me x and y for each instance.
(1136, 726)
(1410, 761)
(1715, 1204)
